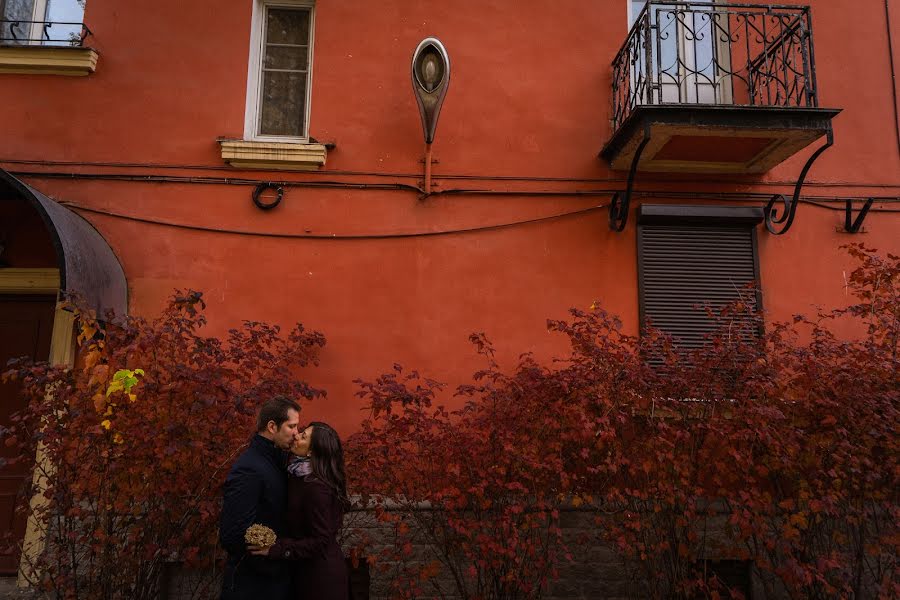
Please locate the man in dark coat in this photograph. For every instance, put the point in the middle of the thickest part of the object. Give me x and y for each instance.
(256, 492)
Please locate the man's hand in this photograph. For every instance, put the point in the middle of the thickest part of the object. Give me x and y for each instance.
(259, 550)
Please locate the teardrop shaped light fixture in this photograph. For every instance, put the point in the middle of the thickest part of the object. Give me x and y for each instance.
(430, 79)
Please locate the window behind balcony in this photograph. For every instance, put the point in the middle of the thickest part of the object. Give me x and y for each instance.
(279, 80)
(46, 22)
(686, 45)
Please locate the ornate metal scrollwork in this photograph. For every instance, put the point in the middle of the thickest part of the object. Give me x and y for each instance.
(698, 53)
(619, 204)
(20, 31)
(789, 206)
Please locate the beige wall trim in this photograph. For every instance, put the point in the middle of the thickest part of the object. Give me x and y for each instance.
(287, 156)
(62, 353)
(48, 60)
(29, 281)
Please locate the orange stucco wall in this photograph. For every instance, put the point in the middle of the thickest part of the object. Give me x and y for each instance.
(528, 109)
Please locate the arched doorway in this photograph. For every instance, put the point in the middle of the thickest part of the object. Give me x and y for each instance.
(46, 250)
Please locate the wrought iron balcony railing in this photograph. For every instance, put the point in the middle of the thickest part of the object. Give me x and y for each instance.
(714, 53)
(43, 33)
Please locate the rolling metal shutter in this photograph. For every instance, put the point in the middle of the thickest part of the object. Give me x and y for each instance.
(683, 269)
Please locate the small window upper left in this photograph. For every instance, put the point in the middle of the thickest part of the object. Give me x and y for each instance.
(42, 22)
(45, 37)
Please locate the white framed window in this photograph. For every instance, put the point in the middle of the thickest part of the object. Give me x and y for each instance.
(280, 70)
(42, 22)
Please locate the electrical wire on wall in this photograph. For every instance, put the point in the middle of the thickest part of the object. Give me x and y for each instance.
(751, 197)
(737, 197)
(385, 174)
(333, 236)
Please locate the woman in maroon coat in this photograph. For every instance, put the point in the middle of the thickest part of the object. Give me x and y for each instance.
(317, 496)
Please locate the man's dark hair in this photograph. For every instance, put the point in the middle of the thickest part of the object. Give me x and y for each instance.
(275, 409)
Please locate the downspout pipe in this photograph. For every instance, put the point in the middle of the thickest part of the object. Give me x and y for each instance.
(887, 22)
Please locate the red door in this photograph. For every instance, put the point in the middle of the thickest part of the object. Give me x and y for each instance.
(26, 323)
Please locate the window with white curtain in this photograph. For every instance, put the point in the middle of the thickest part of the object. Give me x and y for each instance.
(278, 85)
(688, 57)
(46, 22)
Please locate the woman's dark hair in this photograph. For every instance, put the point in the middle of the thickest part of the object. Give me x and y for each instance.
(326, 457)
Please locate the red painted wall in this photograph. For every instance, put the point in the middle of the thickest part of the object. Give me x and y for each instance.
(529, 99)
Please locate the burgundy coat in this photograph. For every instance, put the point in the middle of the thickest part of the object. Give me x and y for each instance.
(314, 517)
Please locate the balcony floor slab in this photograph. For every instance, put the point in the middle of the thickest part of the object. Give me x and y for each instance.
(715, 138)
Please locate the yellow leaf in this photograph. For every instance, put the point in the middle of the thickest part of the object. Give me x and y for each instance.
(132, 397)
(106, 424)
(87, 332)
(117, 438)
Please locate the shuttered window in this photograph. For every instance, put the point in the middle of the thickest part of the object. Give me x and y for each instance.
(685, 268)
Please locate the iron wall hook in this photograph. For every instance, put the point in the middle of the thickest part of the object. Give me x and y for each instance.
(854, 225)
(264, 187)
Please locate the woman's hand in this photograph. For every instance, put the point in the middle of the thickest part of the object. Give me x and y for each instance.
(259, 550)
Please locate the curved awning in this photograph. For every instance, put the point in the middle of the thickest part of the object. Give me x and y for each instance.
(88, 267)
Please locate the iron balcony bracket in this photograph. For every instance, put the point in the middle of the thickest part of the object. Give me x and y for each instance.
(854, 225)
(619, 205)
(789, 206)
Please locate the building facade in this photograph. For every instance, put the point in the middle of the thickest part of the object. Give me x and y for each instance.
(621, 151)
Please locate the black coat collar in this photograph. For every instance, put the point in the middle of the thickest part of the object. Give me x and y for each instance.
(268, 449)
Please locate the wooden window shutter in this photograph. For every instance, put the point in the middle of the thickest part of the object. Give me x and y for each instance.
(684, 268)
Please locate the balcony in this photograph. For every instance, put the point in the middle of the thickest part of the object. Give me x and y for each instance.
(45, 48)
(715, 88)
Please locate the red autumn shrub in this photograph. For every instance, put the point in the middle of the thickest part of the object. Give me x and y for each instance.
(472, 494)
(777, 449)
(822, 510)
(127, 482)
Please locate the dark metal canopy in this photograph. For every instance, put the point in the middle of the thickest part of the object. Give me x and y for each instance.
(88, 267)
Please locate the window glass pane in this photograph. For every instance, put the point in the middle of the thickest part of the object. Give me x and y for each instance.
(284, 79)
(667, 22)
(636, 7)
(283, 103)
(64, 11)
(287, 26)
(16, 10)
(56, 13)
(286, 57)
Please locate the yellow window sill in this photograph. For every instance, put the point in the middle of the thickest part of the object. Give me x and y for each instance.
(288, 156)
(48, 60)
